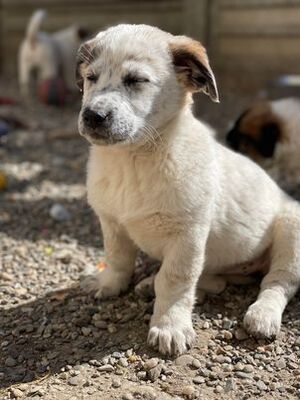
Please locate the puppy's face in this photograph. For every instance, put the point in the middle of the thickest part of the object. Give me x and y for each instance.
(134, 80)
(256, 133)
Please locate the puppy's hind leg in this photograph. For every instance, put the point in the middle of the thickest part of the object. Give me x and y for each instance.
(263, 318)
(120, 253)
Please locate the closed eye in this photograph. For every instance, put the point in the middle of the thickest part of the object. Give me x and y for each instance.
(92, 77)
(131, 80)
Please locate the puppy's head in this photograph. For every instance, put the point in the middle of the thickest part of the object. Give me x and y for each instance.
(134, 80)
(257, 132)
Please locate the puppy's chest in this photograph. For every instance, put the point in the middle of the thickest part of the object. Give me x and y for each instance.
(146, 204)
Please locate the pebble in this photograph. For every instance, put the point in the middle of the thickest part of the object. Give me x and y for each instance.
(189, 392)
(280, 364)
(227, 335)
(75, 380)
(59, 213)
(248, 368)
(241, 334)
(198, 380)
(106, 368)
(196, 363)
(116, 383)
(10, 362)
(154, 373)
(230, 385)
(16, 393)
(242, 375)
(151, 363)
(183, 360)
(261, 385)
(4, 276)
(218, 389)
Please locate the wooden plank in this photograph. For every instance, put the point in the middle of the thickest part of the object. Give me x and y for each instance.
(275, 21)
(196, 19)
(256, 3)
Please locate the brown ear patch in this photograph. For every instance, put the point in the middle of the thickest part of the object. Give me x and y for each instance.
(257, 132)
(192, 66)
(87, 53)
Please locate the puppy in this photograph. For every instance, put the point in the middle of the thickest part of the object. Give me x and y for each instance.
(159, 181)
(268, 132)
(48, 55)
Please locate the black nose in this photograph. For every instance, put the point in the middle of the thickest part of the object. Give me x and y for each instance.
(93, 119)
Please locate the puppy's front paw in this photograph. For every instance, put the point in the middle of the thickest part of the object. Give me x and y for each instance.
(263, 319)
(171, 337)
(105, 284)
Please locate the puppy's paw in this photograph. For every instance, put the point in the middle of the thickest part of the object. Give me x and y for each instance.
(171, 337)
(105, 284)
(263, 319)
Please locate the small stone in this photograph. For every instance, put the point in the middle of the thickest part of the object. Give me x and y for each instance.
(154, 373)
(248, 368)
(227, 324)
(115, 383)
(196, 363)
(116, 354)
(123, 362)
(205, 325)
(16, 393)
(227, 335)
(261, 385)
(240, 334)
(189, 392)
(280, 364)
(239, 366)
(127, 396)
(218, 389)
(10, 362)
(184, 360)
(242, 375)
(230, 385)
(151, 363)
(198, 380)
(59, 213)
(112, 328)
(100, 324)
(106, 368)
(86, 331)
(204, 372)
(142, 375)
(75, 380)
(4, 276)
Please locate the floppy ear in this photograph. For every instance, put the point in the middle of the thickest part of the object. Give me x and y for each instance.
(85, 56)
(270, 134)
(192, 67)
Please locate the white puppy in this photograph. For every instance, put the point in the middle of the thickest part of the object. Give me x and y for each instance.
(160, 182)
(49, 55)
(268, 132)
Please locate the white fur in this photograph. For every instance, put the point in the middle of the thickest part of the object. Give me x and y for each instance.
(183, 199)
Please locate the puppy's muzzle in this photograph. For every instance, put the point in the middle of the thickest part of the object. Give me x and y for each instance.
(96, 121)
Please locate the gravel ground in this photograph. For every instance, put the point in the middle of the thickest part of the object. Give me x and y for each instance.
(58, 343)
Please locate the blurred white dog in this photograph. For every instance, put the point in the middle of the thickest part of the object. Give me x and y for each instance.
(48, 55)
(268, 132)
(160, 182)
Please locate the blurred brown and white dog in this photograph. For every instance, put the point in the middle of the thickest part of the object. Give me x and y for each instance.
(159, 181)
(48, 55)
(269, 133)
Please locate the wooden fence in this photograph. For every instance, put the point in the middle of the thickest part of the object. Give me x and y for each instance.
(246, 39)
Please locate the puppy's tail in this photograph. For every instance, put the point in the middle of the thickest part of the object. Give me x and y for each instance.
(34, 25)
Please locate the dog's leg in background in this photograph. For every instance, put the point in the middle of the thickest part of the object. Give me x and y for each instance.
(263, 318)
(175, 285)
(120, 255)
